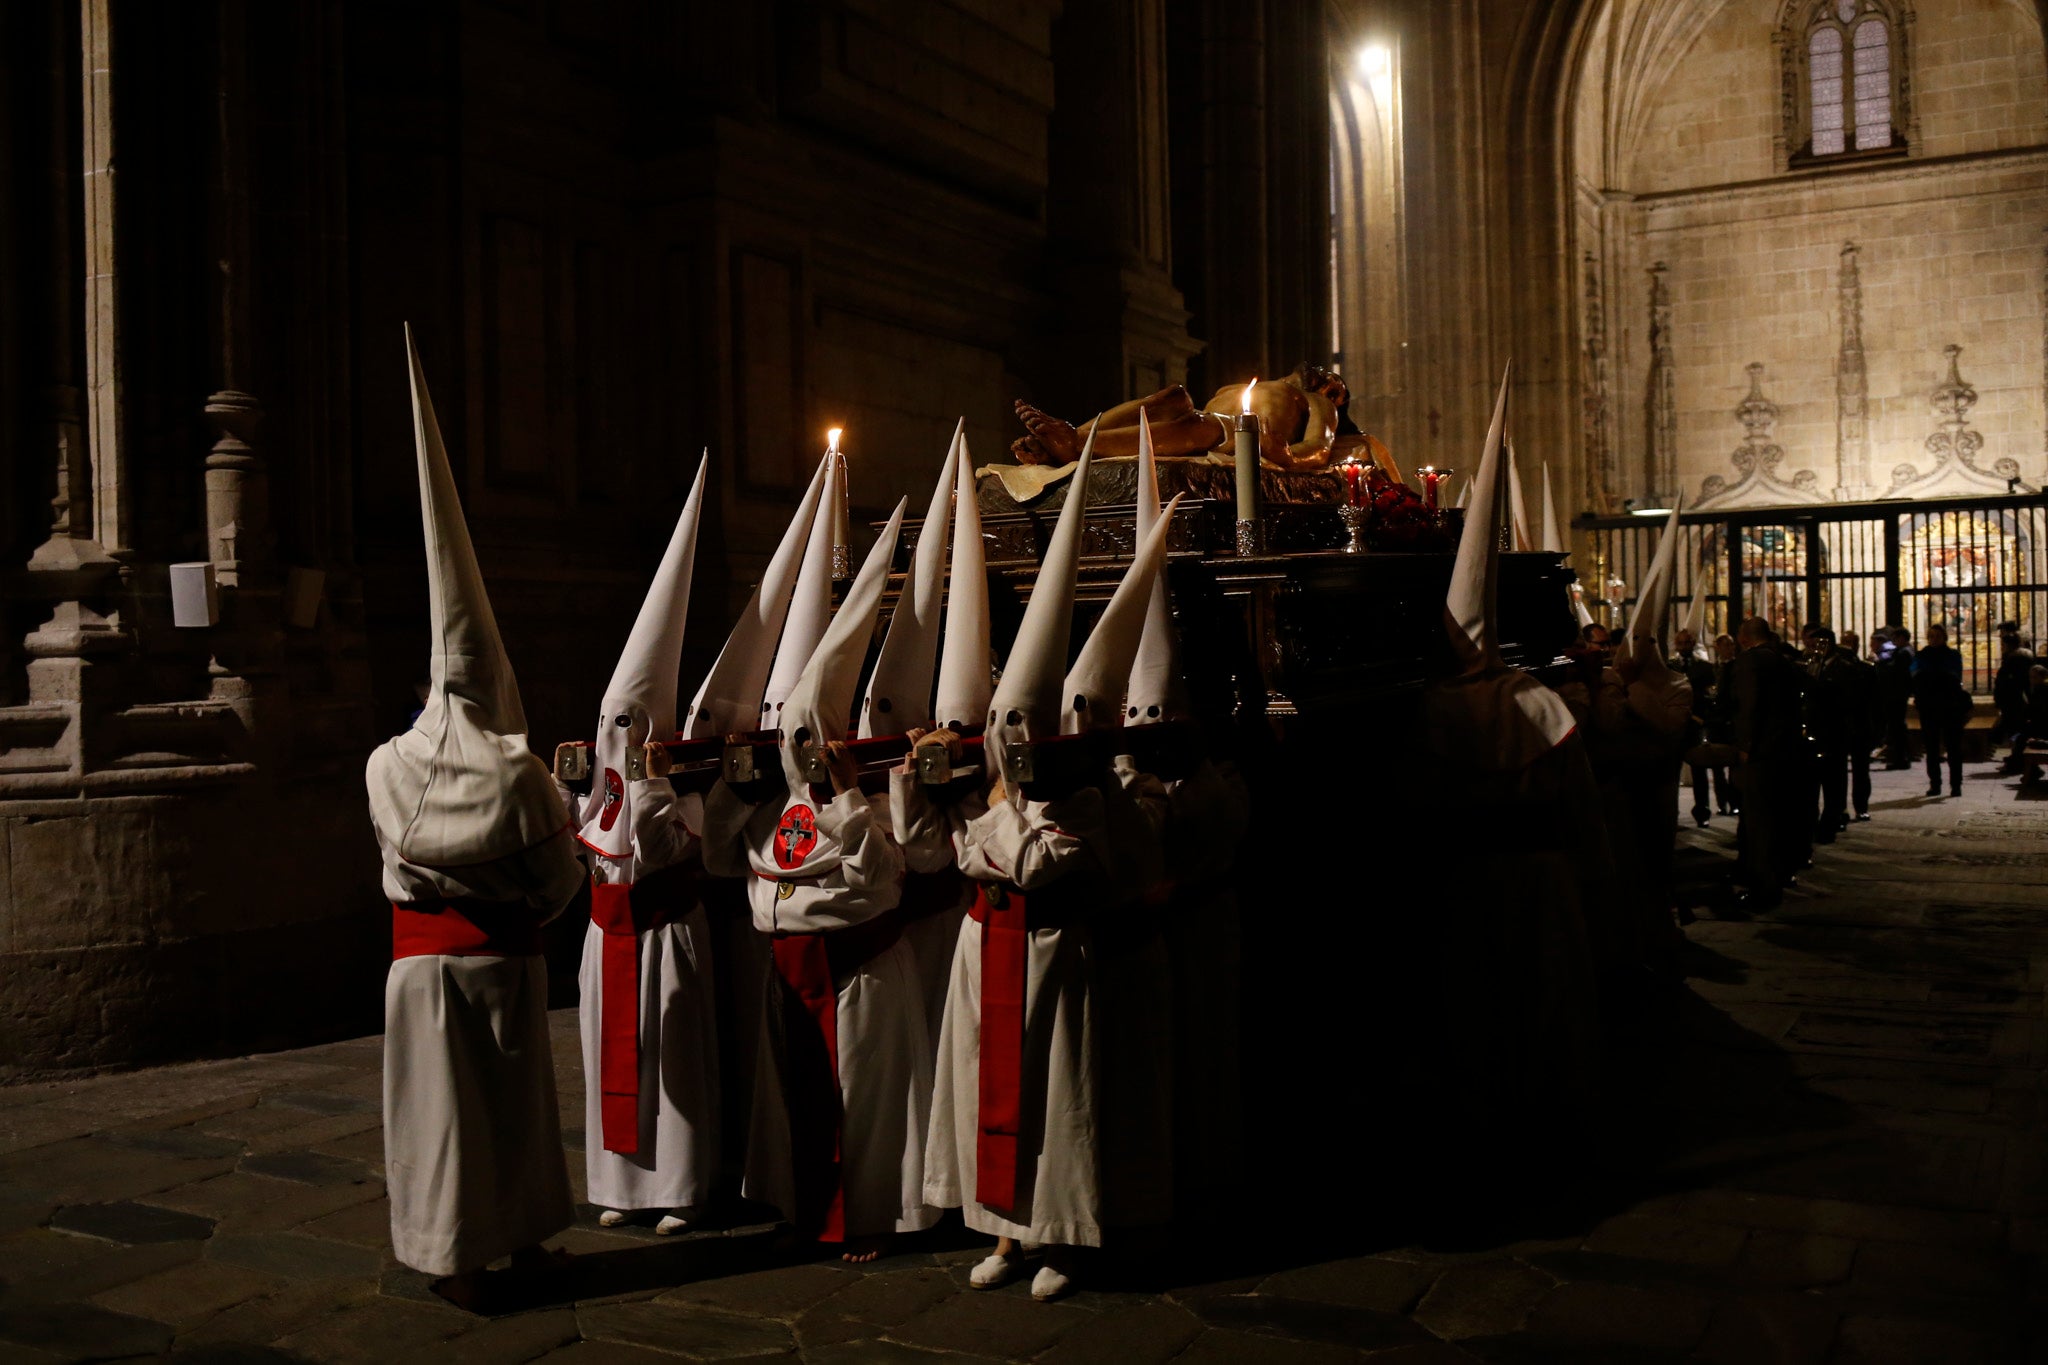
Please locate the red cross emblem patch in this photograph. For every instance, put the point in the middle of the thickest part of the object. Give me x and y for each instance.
(796, 836)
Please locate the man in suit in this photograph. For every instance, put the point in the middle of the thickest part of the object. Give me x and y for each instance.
(1689, 663)
(1944, 707)
(1894, 661)
(1858, 677)
(1766, 731)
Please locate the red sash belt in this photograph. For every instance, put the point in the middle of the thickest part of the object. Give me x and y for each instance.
(464, 928)
(1006, 920)
(806, 965)
(622, 912)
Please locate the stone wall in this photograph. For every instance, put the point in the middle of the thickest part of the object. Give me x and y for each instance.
(1948, 245)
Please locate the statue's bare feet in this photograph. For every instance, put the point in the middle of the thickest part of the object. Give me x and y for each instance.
(1058, 439)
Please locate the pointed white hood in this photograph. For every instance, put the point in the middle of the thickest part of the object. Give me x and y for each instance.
(964, 674)
(1155, 687)
(1653, 599)
(460, 787)
(1028, 704)
(1490, 717)
(640, 701)
(1517, 509)
(1696, 615)
(900, 690)
(1093, 693)
(730, 699)
(810, 607)
(1553, 531)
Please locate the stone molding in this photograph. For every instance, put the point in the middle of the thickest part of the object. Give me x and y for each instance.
(1852, 388)
(1955, 446)
(1756, 460)
(1882, 174)
(1662, 474)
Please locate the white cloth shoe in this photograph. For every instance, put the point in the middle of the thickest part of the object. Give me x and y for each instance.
(610, 1218)
(992, 1273)
(670, 1225)
(1049, 1284)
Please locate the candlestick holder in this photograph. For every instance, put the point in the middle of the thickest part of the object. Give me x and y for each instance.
(1353, 518)
(1251, 538)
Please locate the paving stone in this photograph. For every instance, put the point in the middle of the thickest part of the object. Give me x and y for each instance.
(684, 1331)
(1796, 1259)
(131, 1223)
(1220, 1347)
(19, 1215)
(322, 1102)
(1482, 1299)
(500, 1341)
(90, 1170)
(1895, 1269)
(307, 1168)
(1908, 1341)
(367, 1224)
(1679, 1240)
(318, 1133)
(892, 1298)
(1387, 1286)
(246, 1203)
(1425, 1353)
(1662, 1319)
(81, 1331)
(784, 1292)
(605, 1353)
(1846, 1218)
(188, 1294)
(1774, 1329)
(1135, 1335)
(271, 1316)
(1305, 1321)
(366, 1147)
(1005, 1326)
(179, 1142)
(295, 1257)
(107, 1265)
(375, 1330)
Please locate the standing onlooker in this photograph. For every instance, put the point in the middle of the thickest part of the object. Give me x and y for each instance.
(1687, 661)
(1765, 726)
(1894, 662)
(1943, 705)
(2009, 687)
(1859, 682)
(1720, 716)
(1832, 703)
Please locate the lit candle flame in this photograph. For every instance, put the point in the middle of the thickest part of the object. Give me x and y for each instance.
(832, 440)
(1248, 393)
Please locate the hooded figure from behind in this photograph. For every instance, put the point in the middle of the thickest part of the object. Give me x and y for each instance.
(477, 856)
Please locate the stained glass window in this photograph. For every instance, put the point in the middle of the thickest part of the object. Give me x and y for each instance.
(1873, 85)
(1849, 78)
(1825, 51)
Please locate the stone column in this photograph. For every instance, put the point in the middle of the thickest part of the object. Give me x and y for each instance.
(1601, 479)
(1661, 476)
(237, 493)
(1235, 203)
(1298, 132)
(1108, 210)
(73, 657)
(1852, 390)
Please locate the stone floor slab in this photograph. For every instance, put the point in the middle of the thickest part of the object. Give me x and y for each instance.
(131, 1223)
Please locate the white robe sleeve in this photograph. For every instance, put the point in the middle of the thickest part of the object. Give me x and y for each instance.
(1031, 843)
(661, 837)
(868, 858)
(725, 832)
(926, 831)
(1146, 791)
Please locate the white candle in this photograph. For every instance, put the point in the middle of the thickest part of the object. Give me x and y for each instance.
(842, 555)
(1248, 537)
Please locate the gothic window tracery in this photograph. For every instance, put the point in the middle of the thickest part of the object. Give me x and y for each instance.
(1845, 79)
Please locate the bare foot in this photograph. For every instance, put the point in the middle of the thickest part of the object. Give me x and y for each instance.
(1057, 438)
(861, 1250)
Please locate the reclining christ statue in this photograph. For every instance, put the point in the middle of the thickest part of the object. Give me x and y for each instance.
(1299, 426)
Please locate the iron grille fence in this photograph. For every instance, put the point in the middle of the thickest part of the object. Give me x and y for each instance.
(1963, 563)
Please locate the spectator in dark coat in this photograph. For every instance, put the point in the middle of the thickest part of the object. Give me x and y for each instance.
(1689, 663)
(2009, 686)
(1944, 707)
(1894, 661)
(1858, 678)
(1768, 744)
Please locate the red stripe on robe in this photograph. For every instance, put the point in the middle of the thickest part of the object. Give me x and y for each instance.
(811, 1084)
(462, 929)
(1005, 971)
